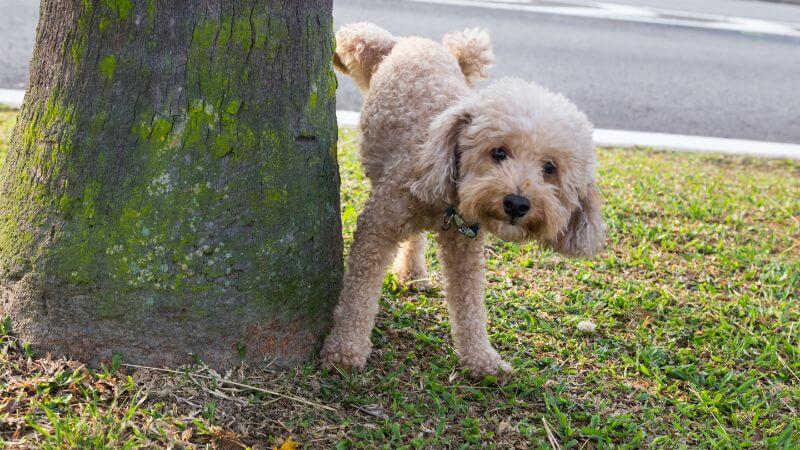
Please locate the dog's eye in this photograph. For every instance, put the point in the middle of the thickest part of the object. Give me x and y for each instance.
(499, 154)
(549, 168)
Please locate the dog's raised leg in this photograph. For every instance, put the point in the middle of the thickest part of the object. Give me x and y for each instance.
(462, 260)
(348, 345)
(409, 264)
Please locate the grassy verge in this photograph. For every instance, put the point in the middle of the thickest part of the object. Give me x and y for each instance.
(697, 341)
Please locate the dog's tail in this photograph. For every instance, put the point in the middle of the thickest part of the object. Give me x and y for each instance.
(473, 50)
(360, 48)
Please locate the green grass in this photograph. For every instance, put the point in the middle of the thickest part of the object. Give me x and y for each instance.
(697, 342)
(7, 120)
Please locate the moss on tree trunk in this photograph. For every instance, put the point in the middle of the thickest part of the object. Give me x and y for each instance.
(171, 187)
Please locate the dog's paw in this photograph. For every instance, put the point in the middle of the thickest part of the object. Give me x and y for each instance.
(501, 370)
(487, 364)
(343, 357)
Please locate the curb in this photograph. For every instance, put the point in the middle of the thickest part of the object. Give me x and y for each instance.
(663, 141)
(11, 97)
(695, 144)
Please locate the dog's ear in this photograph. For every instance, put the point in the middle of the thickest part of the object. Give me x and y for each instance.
(436, 169)
(585, 233)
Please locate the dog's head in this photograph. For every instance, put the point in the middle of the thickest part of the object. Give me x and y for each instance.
(520, 161)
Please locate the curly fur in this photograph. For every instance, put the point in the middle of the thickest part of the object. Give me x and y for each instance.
(426, 144)
(473, 50)
(360, 48)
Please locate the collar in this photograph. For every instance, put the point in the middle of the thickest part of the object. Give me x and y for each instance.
(451, 215)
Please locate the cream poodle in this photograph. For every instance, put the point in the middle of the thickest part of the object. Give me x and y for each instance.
(513, 159)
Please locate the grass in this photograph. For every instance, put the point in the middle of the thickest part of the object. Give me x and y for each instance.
(697, 341)
(7, 120)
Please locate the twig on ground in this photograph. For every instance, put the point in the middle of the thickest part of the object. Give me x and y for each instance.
(550, 437)
(241, 385)
(792, 247)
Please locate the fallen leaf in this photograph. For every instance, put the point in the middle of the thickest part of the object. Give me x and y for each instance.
(288, 444)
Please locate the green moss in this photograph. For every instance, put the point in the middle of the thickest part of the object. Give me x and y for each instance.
(76, 51)
(333, 84)
(260, 30)
(90, 194)
(122, 8)
(278, 34)
(233, 107)
(160, 130)
(242, 33)
(204, 35)
(151, 9)
(312, 99)
(26, 196)
(80, 36)
(98, 122)
(108, 64)
(103, 24)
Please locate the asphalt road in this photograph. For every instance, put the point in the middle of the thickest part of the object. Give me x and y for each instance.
(625, 75)
(632, 76)
(738, 8)
(17, 33)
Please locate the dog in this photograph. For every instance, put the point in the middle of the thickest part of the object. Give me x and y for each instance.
(512, 159)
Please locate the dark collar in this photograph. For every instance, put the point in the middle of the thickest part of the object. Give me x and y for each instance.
(451, 216)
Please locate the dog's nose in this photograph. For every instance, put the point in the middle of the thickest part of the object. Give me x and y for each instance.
(516, 205)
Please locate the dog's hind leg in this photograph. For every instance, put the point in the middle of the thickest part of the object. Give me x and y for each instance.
(348, 345)
(462, 261)
(409, 264)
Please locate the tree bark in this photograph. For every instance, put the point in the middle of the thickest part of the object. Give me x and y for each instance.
(171, 187)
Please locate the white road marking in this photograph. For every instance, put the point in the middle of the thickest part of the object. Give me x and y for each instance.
(611, 11)
(348, 118)
(11, 97)
(663, 141)
(602, 137)
(699, 144)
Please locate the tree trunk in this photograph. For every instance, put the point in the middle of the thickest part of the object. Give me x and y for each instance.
(171, 187)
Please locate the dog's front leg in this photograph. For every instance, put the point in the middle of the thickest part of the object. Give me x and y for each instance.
(462, 259)
(348, 345)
